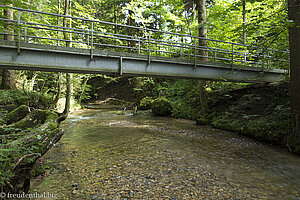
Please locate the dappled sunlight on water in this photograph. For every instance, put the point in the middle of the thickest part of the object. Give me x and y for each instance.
(105, 154)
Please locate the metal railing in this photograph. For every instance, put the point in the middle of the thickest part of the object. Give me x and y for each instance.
(46, 28)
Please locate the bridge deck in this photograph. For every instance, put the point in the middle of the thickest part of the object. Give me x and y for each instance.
(65, 59)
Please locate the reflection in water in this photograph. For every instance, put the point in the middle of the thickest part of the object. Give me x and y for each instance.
(105, 155)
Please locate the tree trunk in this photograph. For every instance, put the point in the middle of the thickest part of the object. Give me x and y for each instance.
(84, 83)
(244, 23)
(8, 76)
(68, 95)
(131, 31)
(115, 16)
(65, 22)
(202, 29)
(58, 20)
(68, 76)
(201, 7)
(294, 39)
(57, 97)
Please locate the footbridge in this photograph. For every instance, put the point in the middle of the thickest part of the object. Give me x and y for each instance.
(37, 40)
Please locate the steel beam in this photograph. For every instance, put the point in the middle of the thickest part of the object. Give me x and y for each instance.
(64, 59)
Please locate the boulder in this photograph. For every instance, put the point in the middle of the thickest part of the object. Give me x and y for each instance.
(161, 106)
(145, 103)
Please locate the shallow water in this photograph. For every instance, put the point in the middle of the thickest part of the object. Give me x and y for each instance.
(107, 155)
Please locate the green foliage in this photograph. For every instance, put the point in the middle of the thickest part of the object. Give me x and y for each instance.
(17, 97)
(81, 88)
(145, 87)
(6, 164)
(40, 169)
(145, 103)
(161, 106)
(13, 149)
(184, 98)
(9, 97)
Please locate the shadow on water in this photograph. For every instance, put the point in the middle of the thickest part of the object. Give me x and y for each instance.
(105, 154)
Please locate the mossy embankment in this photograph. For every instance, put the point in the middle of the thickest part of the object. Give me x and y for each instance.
(27, 131)
(260, 111)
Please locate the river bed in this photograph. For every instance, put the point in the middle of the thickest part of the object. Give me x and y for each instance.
(108, 154)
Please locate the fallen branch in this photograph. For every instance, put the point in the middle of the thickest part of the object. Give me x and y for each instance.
(21, 159)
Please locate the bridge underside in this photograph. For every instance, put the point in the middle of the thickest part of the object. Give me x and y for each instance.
(63, 59)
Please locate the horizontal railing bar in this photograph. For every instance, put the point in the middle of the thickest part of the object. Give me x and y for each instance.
(55, 39)
(115, 46)
(44, 38)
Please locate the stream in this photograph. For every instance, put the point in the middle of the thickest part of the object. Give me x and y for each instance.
(108, 154)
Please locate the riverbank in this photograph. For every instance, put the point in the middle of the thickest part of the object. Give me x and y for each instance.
(257, 111)
(27, 131)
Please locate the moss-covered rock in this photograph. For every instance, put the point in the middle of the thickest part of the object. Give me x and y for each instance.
(17, 114)
(34, 135)
(161, 106)
(293, 143)
(145, 103)
(25, 136)
(8, 107)
(35, 118)
(203, 120)
(257, 111)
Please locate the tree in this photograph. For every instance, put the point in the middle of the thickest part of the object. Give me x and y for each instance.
(294, 32)
(57, 96)
(8, 76)
(201, 7)
(244, 22)
(68, 76)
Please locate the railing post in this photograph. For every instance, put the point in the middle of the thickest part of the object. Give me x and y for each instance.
(58, 28)
(195, 52)
(245, 58)
(268, 58)
(88, 31)
(92, 41)
(215, 55)
(232, 54)
(25, 32)
(181, 49)
(149, 48)
(121, 66)
(19, 35)
(139, 45)
(171, 49)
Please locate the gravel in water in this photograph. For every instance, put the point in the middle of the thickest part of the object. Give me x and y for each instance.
(105, 155)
